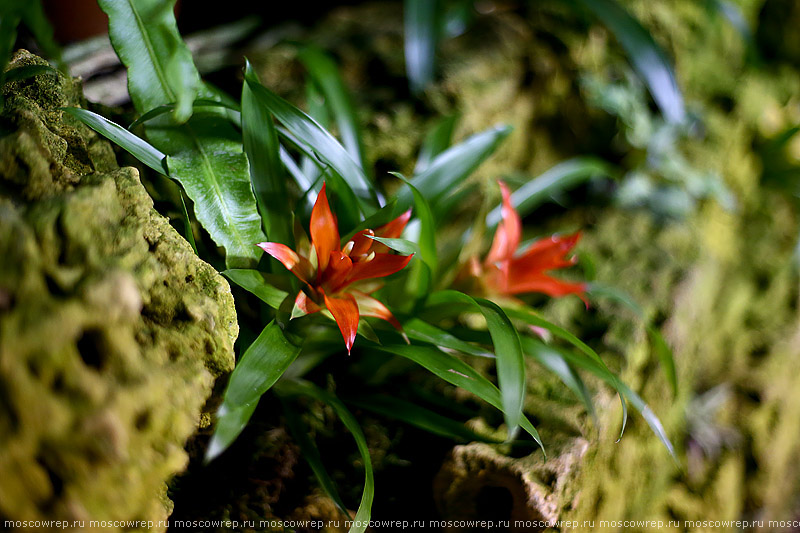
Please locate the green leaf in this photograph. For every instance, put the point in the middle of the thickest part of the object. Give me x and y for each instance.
(310, 453)
(28, 71)
(458, 373)
(205, 154)
(167, 108)
(403, 246)
(427, 228)
(647, 57)
(257, 370)
(420, 330)
(326, 76)
(9, 20)
(266, 170)
(35, 19)
(137, 147)
(510, 360)
(305, 388)
(562, 177)
(533, 319)
(253, 281)
(554, 362)
(436, 141)
(421, 25)
(308, 132)
(452, 166)
(598, 371)
(417, 416)
(187, 225)
(662, 349)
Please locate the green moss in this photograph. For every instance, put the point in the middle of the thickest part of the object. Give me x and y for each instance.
(111, 330)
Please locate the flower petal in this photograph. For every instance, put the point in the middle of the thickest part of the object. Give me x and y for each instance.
(339, 266)
(297, 264)
(547, 285)
(344, 309)
(509, 231)
(324, 231)
(362, 243)
(381, 265)
(543, 255)
(394, 229)
(369, 306)
(303, 306)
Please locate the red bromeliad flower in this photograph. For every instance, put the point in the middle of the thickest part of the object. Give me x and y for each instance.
(503, 273)
(333, 274)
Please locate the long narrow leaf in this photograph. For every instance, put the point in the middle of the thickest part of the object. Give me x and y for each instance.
(204, 155)
(636, 401)
(647, 57)
(421, 24)
(662, 349)
(306, 388)
(417, 416)
(253, 281)
(420, 330)
(266, 171)
(553, 361)
(427, 228)
(561, 177)
(317, 139)
(452, 166)
(535, 320)
(326, 75)
(510, 361)
(257, 370)
(310, 453)
(168, 108)
(137, 147)
(458, 373)
(436, 141)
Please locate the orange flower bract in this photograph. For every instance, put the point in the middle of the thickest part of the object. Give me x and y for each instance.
(333, 274)
(507, 273)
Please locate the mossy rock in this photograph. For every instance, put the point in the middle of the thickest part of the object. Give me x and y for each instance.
(112, 331)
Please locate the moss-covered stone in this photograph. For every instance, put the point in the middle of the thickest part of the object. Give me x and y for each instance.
(111, 329)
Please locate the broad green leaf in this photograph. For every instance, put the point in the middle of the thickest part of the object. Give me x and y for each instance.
(420, 330)
(554, 362)
(636, 401)
(436, 141)
(458, 373)
(205, 154)
(253, 281)
(257, 370)
(421, 25)
(266, 170)
(167, 108)
(509, 358)
(663, 351)
(325, 74)
(137, 147)
(452, 166)
(417, 416)
(561, 177)
(308, 132)
(525, 315)
(306, 388)
(647, 57)
(310, 453)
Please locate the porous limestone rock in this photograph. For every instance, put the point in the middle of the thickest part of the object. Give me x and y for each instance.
(112, 330)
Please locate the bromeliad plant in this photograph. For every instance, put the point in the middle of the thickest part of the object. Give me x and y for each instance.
(254, 170)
